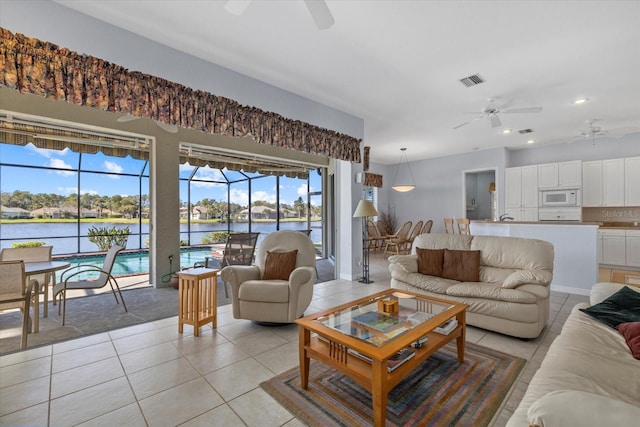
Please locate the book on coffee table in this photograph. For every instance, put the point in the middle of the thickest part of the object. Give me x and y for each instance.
(394, 362)
(377, 321)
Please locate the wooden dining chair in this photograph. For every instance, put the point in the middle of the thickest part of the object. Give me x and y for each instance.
(408, 243)
(376, 239)
(464, 226)
(426, 228)
(394, 242)
(16, 292)
(448, 226)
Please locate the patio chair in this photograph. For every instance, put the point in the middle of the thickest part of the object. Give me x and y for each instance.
(69, 279)
(426, 228)
(395, 241)
(376, 240)
(238, 250)
(15, 292)
(406, 245)
(33, 254)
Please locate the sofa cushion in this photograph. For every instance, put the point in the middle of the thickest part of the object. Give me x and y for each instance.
(490, 291)
(574, 408)
(463, 266)
(520, 277)
(460, 242)
(430, 261)
(517, 253)
(621, 307)
(603, 290)
(631, 333)
(279, 265)
(267, 291)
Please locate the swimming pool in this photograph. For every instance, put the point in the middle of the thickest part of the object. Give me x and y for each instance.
(133, 263)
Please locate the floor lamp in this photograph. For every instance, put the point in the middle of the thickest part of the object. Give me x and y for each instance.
(364, 210)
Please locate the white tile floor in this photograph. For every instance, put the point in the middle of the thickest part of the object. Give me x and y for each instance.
(149, 374)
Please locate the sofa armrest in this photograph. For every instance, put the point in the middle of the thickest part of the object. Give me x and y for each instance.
(408, 263)
(533, 277)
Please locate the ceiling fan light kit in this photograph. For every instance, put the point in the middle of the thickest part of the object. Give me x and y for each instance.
(403, 186)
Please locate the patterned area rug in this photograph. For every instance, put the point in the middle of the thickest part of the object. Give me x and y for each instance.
(441, 392)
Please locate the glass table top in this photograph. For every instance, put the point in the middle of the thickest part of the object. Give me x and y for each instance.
(384, 318)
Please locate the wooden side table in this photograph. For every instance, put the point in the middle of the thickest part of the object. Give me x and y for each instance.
(197, 298)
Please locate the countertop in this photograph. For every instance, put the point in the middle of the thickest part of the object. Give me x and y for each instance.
(607, 225)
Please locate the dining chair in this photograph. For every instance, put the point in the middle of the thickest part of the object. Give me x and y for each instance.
(239, 249)
(426, 228)
(15, 292)
(83, 276)
(376, 239)
(448, 226)
(394, 242)
(34, 254)
(464, 226)
(408, 242)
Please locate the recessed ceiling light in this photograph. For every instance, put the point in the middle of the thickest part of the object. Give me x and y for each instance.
(506, 131)
(531, 141)
(580, 101)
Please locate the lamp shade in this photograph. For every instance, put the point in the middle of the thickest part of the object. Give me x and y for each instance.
(365, 208)
(405, 183)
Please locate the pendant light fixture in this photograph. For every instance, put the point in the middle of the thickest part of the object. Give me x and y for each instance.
(403, 185)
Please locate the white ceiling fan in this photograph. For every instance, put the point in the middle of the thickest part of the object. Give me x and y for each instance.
(491, 111)
(593, 132)
(317, 8)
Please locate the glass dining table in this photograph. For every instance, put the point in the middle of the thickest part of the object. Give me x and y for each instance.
(33, 268)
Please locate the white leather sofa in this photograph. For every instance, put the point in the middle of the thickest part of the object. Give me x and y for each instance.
(512, 296)
(588, 377)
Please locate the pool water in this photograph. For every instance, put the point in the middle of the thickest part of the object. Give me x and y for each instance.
(128, 264)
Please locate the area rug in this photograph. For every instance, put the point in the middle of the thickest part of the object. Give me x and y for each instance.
(439, 392)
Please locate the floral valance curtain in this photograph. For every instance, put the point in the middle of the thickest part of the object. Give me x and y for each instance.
(29, 65)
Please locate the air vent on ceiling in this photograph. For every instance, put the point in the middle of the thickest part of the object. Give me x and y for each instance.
(473, 80)
(523, 131)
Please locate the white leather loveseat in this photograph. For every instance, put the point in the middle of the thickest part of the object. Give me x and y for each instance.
(512, 294)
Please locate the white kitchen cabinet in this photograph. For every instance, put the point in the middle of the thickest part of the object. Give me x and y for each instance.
(613, 247)
(632, 181)
(560, 175)
(548, 175)
(632, 248)
(613, 182)
(592, 183)
(521, 193)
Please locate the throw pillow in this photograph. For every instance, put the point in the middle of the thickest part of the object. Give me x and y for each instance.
(463, 266)
(631, 333)
(621, 307)
(279, 265)
(430, 261)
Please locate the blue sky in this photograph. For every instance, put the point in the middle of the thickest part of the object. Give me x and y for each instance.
(65, 181)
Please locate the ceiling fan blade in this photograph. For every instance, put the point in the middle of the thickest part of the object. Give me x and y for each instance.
(495, 121)
(236, 7)
(467, 122)
(523, 110)
(320, 13)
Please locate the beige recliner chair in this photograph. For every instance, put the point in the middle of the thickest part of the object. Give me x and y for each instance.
(279, 286)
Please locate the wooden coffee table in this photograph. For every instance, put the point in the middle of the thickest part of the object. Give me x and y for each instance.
(362, 327)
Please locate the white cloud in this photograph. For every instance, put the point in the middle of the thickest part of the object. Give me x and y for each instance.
(240, 197)
(114, 168)
(89, 192)
(302, 190)
(60, 164)
(264, 196)
(45, 152)
(67, 190)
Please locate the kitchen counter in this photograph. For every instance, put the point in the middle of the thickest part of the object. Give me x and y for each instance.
(607, 225)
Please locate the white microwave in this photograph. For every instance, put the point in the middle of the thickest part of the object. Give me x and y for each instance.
(558, 198)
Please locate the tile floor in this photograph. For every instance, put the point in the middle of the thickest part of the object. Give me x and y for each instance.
(149, 375)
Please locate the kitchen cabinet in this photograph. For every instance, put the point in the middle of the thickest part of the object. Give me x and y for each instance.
(632, 181)
(632, 248)
(603, 183)
(612, 247)
(521, 193)
(560, 175)
(613, 182)
(592, 183)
